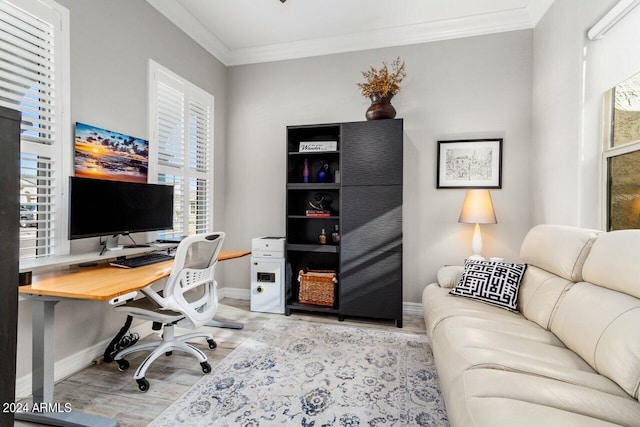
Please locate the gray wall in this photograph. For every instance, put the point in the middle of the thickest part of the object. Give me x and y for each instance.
(111, 42)
(472, 87)
(570, 77)
(464, 88)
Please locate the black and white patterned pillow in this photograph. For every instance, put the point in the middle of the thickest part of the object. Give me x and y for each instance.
(492, 282)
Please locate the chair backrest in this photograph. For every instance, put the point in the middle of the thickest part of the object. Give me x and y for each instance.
(191, 287)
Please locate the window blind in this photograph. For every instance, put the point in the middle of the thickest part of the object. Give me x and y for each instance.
(182, 119)
(28, 84)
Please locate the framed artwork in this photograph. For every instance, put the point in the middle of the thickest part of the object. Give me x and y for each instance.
(470, 163)
(104, 154)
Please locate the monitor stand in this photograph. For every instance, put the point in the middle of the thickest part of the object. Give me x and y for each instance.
(135, 245)
(111, 244)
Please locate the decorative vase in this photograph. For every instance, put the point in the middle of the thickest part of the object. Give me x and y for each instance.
(305, 171)
(323, 173)
(380, 108)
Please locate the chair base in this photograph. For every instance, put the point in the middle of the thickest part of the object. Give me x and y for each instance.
(169, 343)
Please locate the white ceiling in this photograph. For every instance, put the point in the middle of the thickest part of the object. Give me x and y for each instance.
(250, 31)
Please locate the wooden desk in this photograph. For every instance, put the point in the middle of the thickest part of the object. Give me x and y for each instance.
(99, 283)
(104, 282)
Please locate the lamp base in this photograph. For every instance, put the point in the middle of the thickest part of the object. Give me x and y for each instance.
(476, 244)
(476, 257)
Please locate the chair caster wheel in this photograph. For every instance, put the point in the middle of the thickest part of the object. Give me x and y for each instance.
(143, 384)
(212, 344)
(123, 365)
(206, 368)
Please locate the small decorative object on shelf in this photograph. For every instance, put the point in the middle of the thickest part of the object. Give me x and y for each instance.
(305, 171)
(313, 212)
(335, 236)
(317, 146)
(380, 86)
(336, 176)
(322, 238)
(323, 173)
(321, 202)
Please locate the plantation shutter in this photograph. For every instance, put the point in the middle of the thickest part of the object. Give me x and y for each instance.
(199, 165)
(28, 84)
(182, 118)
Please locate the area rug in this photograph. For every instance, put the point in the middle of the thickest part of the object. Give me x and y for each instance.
(313, 374)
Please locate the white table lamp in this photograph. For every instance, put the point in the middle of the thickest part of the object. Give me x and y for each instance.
(477, 209)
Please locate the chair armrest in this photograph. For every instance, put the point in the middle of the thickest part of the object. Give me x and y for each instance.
(449, 276)
(157, 298)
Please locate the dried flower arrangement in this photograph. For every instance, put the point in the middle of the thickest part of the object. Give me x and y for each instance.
(383, 82)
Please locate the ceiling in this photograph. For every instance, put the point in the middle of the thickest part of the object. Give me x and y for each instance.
(250, 31)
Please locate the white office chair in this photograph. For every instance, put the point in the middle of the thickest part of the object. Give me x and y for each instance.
(189, 300)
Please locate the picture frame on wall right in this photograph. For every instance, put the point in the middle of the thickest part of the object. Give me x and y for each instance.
(470, 163)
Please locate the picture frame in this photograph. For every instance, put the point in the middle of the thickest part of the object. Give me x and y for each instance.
(470, 163)
(105, 154)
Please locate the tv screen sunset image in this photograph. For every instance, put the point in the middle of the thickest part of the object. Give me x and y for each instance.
(104, 154)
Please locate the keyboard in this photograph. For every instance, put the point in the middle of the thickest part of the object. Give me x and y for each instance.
(139, 261)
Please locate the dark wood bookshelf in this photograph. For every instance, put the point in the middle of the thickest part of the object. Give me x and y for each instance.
(369, 192)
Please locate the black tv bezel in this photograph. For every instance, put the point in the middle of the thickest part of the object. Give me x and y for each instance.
(113, 232)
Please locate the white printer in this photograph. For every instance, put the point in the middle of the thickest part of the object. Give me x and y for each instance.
(267, 274)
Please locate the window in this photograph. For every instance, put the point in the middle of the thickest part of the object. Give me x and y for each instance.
(181, 148)
(34, 45)
(622, 155)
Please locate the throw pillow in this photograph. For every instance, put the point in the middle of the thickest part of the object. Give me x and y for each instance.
(492, 282)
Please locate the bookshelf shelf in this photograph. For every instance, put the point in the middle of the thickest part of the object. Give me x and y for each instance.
(313, 186)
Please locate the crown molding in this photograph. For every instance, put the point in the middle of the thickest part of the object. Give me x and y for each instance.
(388, 37)
(511, 20)
(185, 21)
(537, 9)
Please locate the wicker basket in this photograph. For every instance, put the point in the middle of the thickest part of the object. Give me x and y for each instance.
(317, 287)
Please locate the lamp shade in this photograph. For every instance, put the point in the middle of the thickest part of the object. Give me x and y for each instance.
(477, 208)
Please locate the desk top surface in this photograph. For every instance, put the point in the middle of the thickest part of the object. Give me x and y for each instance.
(104, 282)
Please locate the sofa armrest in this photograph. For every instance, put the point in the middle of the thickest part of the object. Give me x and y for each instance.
(449, 276)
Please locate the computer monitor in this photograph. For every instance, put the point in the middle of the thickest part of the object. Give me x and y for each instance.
(101, 207)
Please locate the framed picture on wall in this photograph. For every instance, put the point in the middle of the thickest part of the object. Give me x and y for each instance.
(470, 163)
(105, 154)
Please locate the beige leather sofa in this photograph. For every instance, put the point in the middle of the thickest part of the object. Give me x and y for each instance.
(570, 357)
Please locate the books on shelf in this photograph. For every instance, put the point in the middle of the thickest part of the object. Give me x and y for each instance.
(317, 146)
(313, 212)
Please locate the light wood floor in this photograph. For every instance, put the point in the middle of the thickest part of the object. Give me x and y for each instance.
(103, 390)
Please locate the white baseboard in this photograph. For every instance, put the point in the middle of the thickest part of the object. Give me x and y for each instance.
(76, 362)
(409, 308)
(412, 309)
(235, 293)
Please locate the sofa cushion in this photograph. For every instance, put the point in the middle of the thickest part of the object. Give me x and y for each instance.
(461, 343)
(500, 398)
(539, 294)
(491, 282)
(438, 305)
(558, 249)
(613, 262)
(601, 326)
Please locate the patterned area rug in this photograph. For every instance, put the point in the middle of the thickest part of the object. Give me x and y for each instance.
(311, 374)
